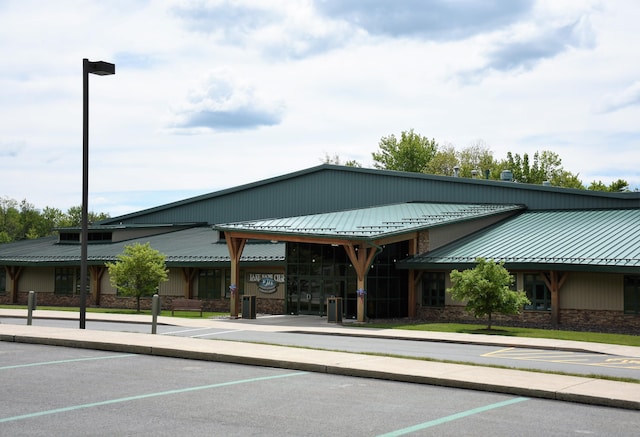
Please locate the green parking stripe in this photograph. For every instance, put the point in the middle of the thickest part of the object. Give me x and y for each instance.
(145, 396)
(75, 360)
(452, 417)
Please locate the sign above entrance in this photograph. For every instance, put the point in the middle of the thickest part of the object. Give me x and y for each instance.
(267, 282)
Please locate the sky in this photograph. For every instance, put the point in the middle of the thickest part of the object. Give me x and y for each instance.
(209, 95)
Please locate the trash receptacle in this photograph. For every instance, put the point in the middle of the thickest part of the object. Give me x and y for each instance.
(334, 310)
(248, 307)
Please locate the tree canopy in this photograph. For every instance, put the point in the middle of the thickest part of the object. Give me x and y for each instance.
(138, 271)
(411, 153)
(416, 153)
(487, 290)
(21, 220)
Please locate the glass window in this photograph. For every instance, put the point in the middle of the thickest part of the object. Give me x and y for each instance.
(3, 280)
(537, 292)
(632, 294)
(65, 278)
(209, 284)
(433, 289)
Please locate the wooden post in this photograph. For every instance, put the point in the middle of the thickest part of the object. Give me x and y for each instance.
(96, 273)
(14, 274)
(235, 246)
(361, 257)
(411, 280)
(188, 275)
(554, 281)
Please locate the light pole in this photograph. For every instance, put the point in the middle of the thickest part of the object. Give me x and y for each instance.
(100, 68)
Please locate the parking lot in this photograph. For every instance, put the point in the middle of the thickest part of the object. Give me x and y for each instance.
(50, 390)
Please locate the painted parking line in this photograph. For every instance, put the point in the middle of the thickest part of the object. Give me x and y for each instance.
(74, 360)
(183, 331)
(144, 396)
(216, 333)
(452, 417)
(587, 359)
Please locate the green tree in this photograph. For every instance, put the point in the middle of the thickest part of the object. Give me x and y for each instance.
(546, 166)
(335, 160)
(10, 224)
(476, 157)
(486, 289)
(73, 217)
(138, 271)
(618, 186)
(443, 161)
(412, 153)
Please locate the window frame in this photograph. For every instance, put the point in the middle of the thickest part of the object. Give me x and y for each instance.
(434, 289)
(530, 283)
(631, 291)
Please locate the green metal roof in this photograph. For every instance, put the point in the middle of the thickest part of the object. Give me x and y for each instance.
(594, 240)
(370, 223)
(190, 247)
(327, 188)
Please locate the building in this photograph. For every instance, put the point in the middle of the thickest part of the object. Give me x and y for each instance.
(381, 241)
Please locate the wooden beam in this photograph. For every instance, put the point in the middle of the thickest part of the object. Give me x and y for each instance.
(361, 258)
(14, 273)
(188, 276)
(96, 273)
(235, 246)
(411, 301)
(554, 281)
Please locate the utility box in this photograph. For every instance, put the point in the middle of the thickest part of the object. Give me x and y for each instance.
(248, 307)
(334, 310)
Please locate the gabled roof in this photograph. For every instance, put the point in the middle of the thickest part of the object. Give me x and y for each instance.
(191, 247)
(369, 223)
(592, 240)
(327, 188)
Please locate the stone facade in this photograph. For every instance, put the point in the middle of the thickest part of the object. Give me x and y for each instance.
(582, 320)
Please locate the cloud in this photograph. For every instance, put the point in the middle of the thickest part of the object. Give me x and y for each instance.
(11, 149)
(221, 102)
(127, 59)
(286, 29)
(231, 19)
(437, 20)
(630, 96)
(276, 29)
(522, 48)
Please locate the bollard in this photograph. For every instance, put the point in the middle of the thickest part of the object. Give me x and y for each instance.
(31, 305)
(155, 310)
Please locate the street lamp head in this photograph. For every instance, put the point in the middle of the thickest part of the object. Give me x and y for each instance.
(102, 68)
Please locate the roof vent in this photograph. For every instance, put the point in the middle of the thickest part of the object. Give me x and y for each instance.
(474, 173)
(506, 175)
(456, 171)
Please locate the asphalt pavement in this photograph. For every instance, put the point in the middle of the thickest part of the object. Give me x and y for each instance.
(518, 382)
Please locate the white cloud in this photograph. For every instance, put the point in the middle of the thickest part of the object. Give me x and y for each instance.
(629, 96)
(221, 101)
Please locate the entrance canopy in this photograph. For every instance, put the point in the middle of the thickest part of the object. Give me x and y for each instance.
(376, 225)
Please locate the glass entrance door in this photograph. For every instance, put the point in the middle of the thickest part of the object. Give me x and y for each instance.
(310, 296)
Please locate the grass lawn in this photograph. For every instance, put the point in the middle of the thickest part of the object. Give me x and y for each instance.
(595, 337)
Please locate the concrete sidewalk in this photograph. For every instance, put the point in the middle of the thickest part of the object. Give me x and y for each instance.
(516, 382)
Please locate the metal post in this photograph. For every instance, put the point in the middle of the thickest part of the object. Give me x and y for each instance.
(155, 310)
(84, 235)
(31, 305)
(99, 68)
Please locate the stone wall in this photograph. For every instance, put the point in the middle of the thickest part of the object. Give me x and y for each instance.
(580, 320)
